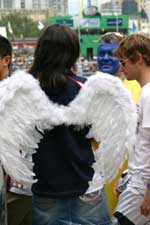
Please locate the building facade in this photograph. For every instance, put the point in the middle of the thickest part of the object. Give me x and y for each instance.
(111, 7)
(60, 7)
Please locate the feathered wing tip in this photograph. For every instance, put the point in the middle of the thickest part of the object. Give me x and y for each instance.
(24, 109)
(113, 124)
(18, 131)
(107, 106)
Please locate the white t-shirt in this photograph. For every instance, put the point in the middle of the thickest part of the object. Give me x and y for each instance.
(139, 159)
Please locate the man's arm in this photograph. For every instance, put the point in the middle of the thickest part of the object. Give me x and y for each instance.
(145, 204)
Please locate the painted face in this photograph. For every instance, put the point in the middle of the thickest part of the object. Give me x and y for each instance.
(108, 63)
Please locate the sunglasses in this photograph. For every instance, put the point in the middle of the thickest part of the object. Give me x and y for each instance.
(123, 63)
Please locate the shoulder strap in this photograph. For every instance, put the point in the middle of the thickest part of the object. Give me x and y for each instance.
(76, 81)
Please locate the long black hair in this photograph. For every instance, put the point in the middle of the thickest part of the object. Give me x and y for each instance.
(57, 50)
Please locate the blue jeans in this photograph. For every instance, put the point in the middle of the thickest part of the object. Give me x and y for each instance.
(88, 209)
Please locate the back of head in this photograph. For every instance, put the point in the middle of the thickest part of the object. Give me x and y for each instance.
(133, 44)
(5, 47)
(56, 53)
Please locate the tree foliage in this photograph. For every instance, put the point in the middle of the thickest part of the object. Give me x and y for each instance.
(21, 25)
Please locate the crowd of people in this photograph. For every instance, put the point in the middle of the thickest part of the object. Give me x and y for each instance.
(130, 58)
(107, 63)
(68, 189)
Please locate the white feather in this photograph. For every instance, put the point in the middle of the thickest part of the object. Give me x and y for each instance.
(103, 103)
(24, 108)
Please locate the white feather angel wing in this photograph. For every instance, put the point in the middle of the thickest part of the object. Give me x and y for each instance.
(103, 103)
(23, 109)
(107, 106)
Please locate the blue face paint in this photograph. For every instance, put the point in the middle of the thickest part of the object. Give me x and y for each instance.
(107, 63)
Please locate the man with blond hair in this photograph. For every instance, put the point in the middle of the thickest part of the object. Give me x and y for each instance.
(134, 202)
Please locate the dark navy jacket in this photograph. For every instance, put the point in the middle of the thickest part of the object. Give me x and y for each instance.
(64, 157)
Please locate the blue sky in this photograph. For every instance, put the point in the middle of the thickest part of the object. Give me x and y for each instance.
(75, 4)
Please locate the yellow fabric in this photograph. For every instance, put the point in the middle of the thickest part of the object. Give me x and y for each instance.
(134, 87)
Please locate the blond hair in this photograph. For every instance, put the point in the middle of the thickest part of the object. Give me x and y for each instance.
(109, 36)
(133, 44)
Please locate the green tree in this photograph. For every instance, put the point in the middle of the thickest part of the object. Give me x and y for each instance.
(21, 25)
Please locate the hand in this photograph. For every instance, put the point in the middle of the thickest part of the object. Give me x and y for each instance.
(145, 205)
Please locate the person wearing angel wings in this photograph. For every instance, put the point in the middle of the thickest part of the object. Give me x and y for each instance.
(14, 208)
(52, 114)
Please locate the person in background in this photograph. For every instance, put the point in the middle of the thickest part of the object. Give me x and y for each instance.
(19, 202)
(108, 63)
(134, 202)
(5, 61)
(64, 157)
(18, 205)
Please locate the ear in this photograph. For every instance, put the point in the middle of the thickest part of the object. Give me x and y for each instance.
(139, 58)
(7, 60)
